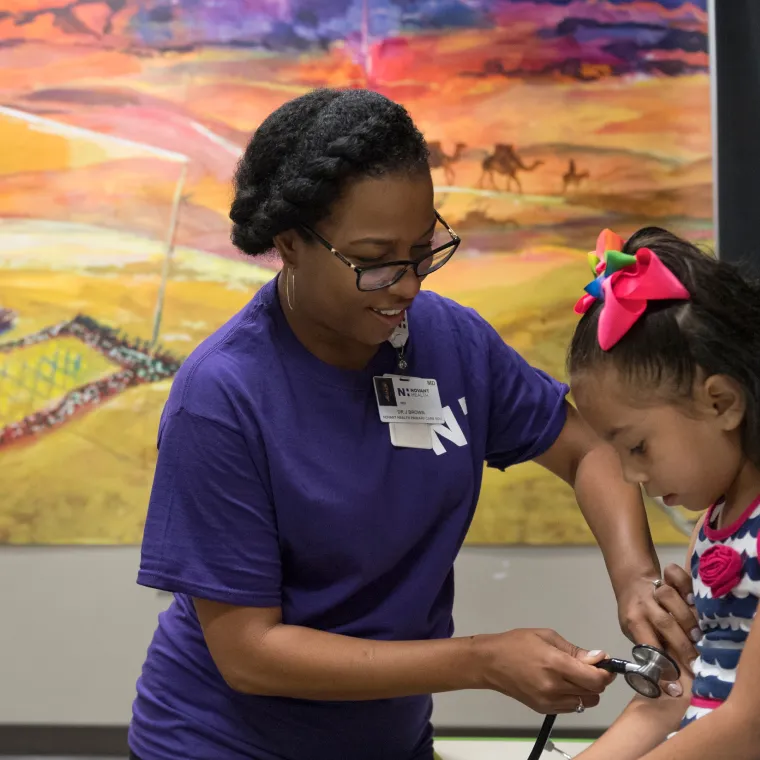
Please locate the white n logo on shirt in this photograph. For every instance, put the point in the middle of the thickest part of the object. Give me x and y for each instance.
(450, 430)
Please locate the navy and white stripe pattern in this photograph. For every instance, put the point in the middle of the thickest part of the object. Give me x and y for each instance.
(725, 621)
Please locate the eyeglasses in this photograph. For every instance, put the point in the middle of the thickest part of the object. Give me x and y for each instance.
(378, 276)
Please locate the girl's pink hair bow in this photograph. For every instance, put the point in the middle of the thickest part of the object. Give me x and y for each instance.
(625, 284)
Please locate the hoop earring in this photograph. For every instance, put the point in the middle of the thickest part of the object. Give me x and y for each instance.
(290, 288)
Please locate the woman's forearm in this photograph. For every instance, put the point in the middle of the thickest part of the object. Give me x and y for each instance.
(613, 509)
(615, 513)
(302, 663)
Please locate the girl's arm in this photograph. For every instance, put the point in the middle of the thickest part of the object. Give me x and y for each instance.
(642, 726)
(645, 723)
(731, 731)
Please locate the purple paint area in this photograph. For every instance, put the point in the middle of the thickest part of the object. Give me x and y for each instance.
(560, 36)
(668, 4)
(616, 29)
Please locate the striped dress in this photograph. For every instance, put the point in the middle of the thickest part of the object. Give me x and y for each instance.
(726, 576)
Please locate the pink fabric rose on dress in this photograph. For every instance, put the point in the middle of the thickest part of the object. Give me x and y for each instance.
(720, 568)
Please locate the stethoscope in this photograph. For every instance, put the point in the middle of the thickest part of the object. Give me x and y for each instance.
(650, 666)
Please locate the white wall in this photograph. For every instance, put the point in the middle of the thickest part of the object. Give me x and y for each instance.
(74, 627)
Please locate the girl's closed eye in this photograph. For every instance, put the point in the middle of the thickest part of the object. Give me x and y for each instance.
(639, 450)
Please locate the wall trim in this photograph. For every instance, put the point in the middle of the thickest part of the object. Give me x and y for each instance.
(111, 741)
(76, 741)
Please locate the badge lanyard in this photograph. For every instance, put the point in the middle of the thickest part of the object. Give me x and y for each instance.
(410, 406)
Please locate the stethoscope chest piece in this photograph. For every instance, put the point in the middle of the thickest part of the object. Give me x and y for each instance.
(653, 666)
(650, 666)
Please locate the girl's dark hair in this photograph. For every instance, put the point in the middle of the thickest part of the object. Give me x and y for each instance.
(302, 154)
(717, 331)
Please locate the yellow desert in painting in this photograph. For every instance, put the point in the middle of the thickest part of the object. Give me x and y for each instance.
(120, 134)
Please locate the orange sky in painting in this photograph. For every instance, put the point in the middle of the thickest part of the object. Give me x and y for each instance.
(205, 104)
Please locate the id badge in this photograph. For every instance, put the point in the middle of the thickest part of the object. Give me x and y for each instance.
(408, 400)
(411, 435)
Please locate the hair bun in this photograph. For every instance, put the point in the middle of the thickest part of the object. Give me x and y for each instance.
(297, 161)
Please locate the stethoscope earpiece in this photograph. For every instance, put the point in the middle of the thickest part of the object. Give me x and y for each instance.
(650, 666)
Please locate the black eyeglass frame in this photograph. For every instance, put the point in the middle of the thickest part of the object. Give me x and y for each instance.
(405, 265)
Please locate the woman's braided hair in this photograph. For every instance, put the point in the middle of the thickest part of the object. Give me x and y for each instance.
(301, 156)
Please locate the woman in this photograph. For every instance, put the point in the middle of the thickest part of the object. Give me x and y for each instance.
(309, 535)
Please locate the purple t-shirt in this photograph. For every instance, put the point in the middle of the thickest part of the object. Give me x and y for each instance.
(277, 485)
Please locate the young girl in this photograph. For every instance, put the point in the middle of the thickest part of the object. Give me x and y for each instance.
(665, 365)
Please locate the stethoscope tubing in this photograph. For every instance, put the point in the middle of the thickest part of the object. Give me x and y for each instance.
(542, 738)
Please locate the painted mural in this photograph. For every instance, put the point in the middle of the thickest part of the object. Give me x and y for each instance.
(120, 125)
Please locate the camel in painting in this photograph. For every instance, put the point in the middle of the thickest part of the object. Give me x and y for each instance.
(439, 159)
(505, 161)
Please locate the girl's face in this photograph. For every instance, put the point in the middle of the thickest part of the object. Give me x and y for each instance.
(688, 454)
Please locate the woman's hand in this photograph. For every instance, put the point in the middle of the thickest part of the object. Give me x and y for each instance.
(542, 670)
(662, 616)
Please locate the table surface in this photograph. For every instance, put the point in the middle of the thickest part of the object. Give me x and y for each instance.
(500, 749)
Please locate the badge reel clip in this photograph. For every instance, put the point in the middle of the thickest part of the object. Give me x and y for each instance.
(650, 666)
(398, 340)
